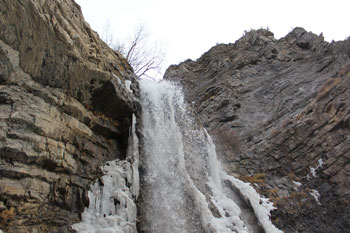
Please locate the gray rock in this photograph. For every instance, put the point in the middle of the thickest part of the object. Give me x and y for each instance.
(285, 102)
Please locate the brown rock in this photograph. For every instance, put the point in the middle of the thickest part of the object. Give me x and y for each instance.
(64, 111)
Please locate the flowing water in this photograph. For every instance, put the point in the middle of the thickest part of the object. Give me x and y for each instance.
(167, 205)
(182, 186)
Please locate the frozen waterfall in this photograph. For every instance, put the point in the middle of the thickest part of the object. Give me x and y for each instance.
(112, 207)
(181, 187)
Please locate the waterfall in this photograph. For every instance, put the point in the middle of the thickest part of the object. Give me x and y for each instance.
(184, 188)
(166, 207)
(177, 180)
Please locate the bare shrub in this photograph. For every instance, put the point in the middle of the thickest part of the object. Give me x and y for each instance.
(226, 136)
(286, 122)
(327, 87)
(256, 178)
(273, 133)
(144, 55)
(7, 214)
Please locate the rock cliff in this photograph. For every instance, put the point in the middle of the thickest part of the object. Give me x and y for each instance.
(279, 113)
(278, 110)
(65, 109)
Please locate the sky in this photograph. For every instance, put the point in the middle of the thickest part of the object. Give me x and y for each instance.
(187, 29)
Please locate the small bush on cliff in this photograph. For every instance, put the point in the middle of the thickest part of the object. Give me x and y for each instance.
(227, 137)
(7, 214)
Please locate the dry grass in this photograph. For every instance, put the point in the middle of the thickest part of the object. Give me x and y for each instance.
(279, 200)
(292, 176)
(272, 191)
(297, 195)
(344, 71)
(7, 214)
(329, 85)
(276, 220)
(256, 178)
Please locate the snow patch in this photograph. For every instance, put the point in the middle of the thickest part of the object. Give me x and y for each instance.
(315, 194)
(298, 184)
(313, 170)
(118, 79)
(127, 85)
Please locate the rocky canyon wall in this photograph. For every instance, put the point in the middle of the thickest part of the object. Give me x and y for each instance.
(65, 109)
(278, 111)
(280, 116)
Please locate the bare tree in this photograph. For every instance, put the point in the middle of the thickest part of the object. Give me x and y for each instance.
(143, 55)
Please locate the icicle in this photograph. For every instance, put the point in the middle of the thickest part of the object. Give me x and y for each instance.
(112, 207)
(133, 156)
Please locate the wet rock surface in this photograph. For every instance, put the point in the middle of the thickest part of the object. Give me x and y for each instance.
(279, 112)
(64, 111)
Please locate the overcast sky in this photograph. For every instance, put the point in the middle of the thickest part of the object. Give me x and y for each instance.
(188, 28)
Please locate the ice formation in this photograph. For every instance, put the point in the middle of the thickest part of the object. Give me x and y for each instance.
(112, 206)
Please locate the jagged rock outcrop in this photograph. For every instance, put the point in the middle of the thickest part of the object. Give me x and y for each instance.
(65, 109)
(279, 112)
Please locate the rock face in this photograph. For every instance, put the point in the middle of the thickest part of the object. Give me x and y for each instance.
(278, 110)
(279, 113)
(64, 111)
